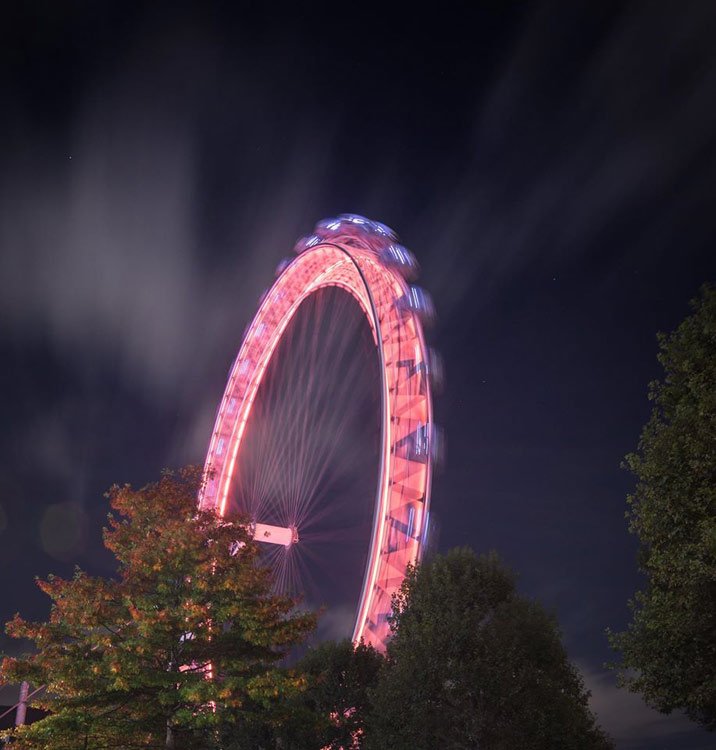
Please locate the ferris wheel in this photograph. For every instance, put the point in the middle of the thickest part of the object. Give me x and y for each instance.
(296, 406)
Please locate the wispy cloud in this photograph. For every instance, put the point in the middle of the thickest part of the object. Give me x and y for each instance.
(109, 256)
(632, 724)
(623, 144)
(113, 252)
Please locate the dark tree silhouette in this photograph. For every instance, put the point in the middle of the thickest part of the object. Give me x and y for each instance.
(471, 664)
(669, 650)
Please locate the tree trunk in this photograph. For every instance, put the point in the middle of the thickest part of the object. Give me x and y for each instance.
(170, 744)
(22, 705)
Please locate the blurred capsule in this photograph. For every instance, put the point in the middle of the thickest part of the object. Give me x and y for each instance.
(282, 266)
(331, 225)
(436, 370)
(263, 296)
(384, 230)
(415, 446)
(401, 259)
(426, 443)
(430, 538)
(305, 243)
(357, 220)
(438, 447)
(417, 300)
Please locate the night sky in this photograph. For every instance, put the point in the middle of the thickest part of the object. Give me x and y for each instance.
(552, 166)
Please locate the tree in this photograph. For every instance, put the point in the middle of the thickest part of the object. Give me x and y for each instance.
(473, 665)
(669, 650)
(339, 677)
(180, 642)
(330, 713)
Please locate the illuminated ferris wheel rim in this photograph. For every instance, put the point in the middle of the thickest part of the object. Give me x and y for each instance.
(366, 262)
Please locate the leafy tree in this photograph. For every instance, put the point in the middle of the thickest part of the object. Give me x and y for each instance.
(330, 713)
(186, 637)
(339, 676)
(669, 649)
(473, 665)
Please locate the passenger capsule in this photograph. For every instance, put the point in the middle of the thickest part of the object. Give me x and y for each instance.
(357, 220)
(401, 259)
(330, 225)
(305, 243)
(436, 370)
(384, 230)
(438, 447)
(417, 300)
(282, 266)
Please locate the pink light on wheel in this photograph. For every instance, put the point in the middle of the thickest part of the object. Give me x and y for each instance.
(364, 259)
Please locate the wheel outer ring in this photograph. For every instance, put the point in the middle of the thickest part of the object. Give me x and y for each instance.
(403, 493)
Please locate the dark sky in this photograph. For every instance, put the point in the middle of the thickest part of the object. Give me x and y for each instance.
(552, 165)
